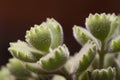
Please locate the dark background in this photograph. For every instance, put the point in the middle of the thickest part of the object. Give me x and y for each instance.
(16, 16)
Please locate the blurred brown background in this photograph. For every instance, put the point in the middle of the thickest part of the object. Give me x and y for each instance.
(16, 16)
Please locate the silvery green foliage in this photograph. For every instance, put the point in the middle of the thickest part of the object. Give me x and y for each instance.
(44, 56)
(5, 74)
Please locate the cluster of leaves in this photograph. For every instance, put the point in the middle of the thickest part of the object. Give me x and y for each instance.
(44, 56)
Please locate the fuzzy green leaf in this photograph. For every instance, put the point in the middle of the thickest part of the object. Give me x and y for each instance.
(104, 74)
(34, 67)
(55, 59)
(55, 31)
(39, 37)
(115, 45)
(115, 24)
(99, 74)
(98, 25)
(81, 61)
(24, 52)
(81, 35)
(86, 56)
(48, 34)
(95, 63)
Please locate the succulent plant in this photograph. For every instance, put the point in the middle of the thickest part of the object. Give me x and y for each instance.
(44, 56)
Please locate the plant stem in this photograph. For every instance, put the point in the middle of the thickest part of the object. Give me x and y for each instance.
(101, 55)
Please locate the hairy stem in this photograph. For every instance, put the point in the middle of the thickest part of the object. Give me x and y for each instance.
(101, 55)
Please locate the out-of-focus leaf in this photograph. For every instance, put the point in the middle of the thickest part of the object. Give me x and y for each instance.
(58, 77)
(5, 74)
(109, 60)
(16, 68)
(84, 76)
